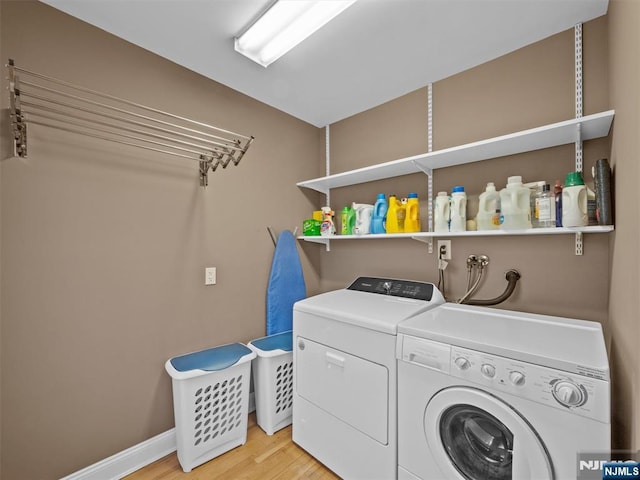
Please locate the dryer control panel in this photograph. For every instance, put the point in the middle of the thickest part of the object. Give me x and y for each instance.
(394, 287)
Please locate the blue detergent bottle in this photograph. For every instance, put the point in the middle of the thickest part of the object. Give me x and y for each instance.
(379, 216)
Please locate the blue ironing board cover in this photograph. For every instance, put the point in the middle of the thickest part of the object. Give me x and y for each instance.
(286, 284)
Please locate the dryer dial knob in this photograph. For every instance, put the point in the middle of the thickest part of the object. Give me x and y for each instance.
(569, 394)
(488, 370)
(517, 378)
(462, 363)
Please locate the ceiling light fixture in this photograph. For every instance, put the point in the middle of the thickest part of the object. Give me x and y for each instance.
(284, 25)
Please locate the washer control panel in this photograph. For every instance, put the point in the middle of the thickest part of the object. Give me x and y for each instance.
(393, 287)
(581, 395)
(578, 394)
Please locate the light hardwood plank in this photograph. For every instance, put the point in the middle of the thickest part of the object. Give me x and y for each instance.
(263, 457)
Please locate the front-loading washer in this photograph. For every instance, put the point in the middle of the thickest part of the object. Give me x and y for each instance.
(486, 393)
(345, 373)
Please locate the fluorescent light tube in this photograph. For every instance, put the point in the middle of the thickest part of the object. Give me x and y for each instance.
(284, 25)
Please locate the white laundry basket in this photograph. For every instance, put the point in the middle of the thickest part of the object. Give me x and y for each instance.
(211, 401)
(273, 381)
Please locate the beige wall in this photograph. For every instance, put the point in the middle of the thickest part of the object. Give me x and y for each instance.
(528, 88)
(624, 302)
(105, 246)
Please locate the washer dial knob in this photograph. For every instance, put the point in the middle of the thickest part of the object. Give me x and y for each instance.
(462, 363)
(568, 393)
(517, 378)
(488, 370)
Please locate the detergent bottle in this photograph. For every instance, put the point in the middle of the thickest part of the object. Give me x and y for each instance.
(458, 222)
(488, 207)
(441, 212)
(574, 201)
(379, 215)
(346, 227)
(395, 215)
(363, 218)
(327, 228)
(412, 218)
(515, 205)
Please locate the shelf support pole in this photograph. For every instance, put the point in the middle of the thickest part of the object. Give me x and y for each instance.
(578, 88)
(327, 169)
(430, 172)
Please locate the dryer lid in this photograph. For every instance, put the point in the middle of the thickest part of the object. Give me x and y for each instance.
(369, 309)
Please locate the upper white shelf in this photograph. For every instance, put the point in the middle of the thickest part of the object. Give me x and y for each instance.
(552, 135)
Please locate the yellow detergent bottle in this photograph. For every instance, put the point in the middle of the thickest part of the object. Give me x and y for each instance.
(395, 215)
(412, 218)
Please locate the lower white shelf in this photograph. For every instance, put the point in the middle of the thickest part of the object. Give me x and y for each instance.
(475, 233)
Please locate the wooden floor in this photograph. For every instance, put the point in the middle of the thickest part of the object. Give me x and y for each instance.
(263, 457)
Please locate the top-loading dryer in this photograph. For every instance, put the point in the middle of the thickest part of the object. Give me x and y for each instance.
(345, 382)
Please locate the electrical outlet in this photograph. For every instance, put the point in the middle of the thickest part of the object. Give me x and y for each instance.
(210, 276)
(444, 249)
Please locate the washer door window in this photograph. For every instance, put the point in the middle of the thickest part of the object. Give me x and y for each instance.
(475, 436)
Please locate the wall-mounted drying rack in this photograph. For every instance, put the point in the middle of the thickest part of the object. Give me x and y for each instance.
(38, 99)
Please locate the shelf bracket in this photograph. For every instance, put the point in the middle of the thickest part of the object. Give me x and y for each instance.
(427, 240)
(429, 173)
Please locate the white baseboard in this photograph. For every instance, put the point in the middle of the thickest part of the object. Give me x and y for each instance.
(129, 460)
(136, 457)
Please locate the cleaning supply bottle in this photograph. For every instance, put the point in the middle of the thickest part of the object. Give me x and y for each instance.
(395, 216)
(592, 216)
(379, 216)
(488, 208)
(535, 188)
(362, 218)
(574, 201)
(458, 222)
(545, 208)
(327, 228)
(351, 221)
(441, 213)
(345, 227)
(515, 205)
(412, 218)
(602, 176)
(557, 191)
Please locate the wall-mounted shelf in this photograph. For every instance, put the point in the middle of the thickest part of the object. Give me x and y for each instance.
(552, 135)
(426, 236)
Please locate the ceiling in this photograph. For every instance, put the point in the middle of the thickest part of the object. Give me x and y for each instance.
(373, 52)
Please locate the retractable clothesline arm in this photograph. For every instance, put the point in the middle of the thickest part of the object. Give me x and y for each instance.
(71, 108)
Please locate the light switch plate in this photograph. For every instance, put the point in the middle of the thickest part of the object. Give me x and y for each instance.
(210, 276)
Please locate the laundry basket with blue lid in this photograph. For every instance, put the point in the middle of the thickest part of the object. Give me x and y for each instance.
(211, 401)
(273, 380)
(280, 342)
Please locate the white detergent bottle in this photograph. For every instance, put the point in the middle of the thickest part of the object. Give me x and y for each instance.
(458, 221)
(515, 205)
(488, 207)
(441, 213)
(574, 201)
